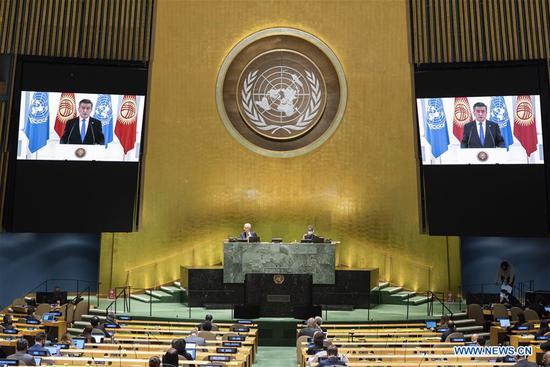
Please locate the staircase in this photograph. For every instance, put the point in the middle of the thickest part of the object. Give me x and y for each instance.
(165, 294)
(468, 326)
(398, 295)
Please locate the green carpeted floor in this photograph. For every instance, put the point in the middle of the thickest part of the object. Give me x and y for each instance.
(384, 312)
(276, 357)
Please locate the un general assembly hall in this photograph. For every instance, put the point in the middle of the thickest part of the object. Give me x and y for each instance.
(258, 183)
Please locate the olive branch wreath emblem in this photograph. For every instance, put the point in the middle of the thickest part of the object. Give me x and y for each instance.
(258, 120)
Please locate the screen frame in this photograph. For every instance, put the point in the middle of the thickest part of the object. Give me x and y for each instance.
(139, 86)
(425, 86)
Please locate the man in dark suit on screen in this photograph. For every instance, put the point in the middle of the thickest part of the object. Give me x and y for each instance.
(83, 129)
(481, 133)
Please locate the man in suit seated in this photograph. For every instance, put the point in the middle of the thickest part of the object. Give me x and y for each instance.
(546, 359)
(310, 329)
(310, 234)
(247, 232)
(98, 328)
(21, 354)
(208, 324)
(481, 133)
(83, 129)
(7, 322)
(332, 358)
(450, 330)
(39, 342)
(521, 361)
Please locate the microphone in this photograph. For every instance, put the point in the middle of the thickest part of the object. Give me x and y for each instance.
(93, 134)
(422, 359)
(469, 137)
(70, 132)
(492, 137)
(119, 356)
(93, 359)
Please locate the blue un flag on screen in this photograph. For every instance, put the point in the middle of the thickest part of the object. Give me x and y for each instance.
(499, 114)
(436, 126)
(104, 113)
(37, 124)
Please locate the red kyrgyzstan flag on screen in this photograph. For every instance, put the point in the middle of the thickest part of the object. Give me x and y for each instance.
(525, 127)
(126, 123)
(462, 115)
(65, 112)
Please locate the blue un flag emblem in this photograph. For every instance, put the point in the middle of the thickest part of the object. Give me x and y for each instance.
(37, 126)
(436, 127)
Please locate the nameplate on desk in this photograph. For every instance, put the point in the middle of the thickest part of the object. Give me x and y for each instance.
(542, 337)
(456, 340)
(61, 345)
(123, 317)
(236, 338)
(33, 322)
(10, 331)
(39, 353)
(219, 358)
(112, 326)
(240, 329)
(56, 313)
(278, 298)
(244, 322)
(9, 362)
(232, 344)
(226, 350)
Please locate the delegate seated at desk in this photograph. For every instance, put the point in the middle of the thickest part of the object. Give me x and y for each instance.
(247, 232)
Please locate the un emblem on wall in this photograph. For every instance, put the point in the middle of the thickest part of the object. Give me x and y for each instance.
(281, 92)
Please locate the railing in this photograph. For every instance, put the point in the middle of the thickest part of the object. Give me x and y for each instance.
(124, 293)
(431, 295)
(518, 290)
(46, 285)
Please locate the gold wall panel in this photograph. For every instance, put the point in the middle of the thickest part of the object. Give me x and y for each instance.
(479, 30)
(201, 185)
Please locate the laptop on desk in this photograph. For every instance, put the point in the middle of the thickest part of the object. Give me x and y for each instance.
(253, 239)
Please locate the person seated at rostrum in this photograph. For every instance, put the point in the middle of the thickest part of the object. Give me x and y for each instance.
(310, 233)
(247, 232)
